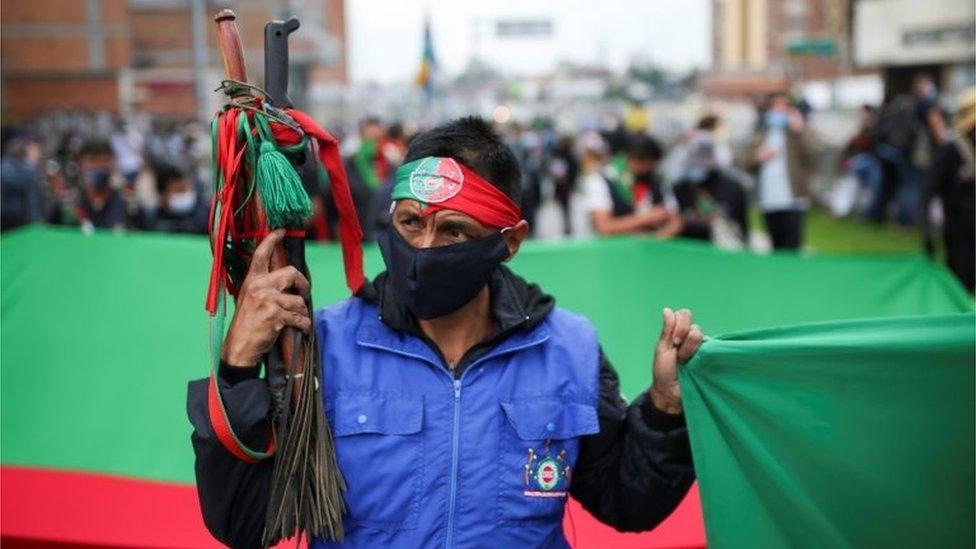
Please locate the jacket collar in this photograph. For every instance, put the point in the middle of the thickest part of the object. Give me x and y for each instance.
(517, 307)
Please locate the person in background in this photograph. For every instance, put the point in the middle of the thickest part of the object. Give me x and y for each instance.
(649, 193)
(394, 145)
(563, 170)
(21, 191)
(127, 144)
(930, 113)
(859, 157)
(909, 130)
(709, 196)
(100, 204)
(367, 169)
(392, 149)
(60, 197)
(703, 151)
(181, 209)
(599, 205)
(952, 181)
(780, 156)
(530, 149)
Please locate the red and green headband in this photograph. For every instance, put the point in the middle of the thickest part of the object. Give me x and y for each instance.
(446, 184)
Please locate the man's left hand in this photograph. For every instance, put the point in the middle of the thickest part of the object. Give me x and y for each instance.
(679, 341)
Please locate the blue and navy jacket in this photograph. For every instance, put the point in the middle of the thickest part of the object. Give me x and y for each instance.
(486, 453)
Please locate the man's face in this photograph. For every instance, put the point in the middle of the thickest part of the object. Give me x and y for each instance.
(442, 228)
(924, 87)
(95, 171)
(867, 118)
(780, 104)
(371, 131)
(177, 186)
(641, 167)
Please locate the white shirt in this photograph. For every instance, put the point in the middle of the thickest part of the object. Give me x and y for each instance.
(591, 195)
(127, 148)
(775, 193)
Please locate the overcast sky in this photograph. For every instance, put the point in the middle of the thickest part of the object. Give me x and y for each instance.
(386, 36)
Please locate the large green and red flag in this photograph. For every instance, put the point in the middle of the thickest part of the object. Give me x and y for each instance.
(100, 334)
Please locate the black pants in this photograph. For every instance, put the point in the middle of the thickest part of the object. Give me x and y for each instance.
(785, 228)
(960, 247)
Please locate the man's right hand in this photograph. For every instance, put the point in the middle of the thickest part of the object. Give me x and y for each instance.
(267, 302)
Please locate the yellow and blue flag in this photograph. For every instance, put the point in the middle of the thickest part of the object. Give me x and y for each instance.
(425, 76)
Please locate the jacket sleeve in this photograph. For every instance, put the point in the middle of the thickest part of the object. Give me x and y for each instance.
(749, 163)
(233, 494)
(637, 469)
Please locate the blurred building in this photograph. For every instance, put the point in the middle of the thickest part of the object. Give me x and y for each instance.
(138, 55)
(66, 54)
(905, 38)
(763, 46)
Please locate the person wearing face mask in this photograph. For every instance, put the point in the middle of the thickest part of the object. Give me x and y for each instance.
(181, 209)
(709, 195)
(368, 168)
(466, 407)
(101, 204)
(779, 156)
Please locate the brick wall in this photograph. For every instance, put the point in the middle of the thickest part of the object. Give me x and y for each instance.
(25, 97)
(48, 62)
(53, 57)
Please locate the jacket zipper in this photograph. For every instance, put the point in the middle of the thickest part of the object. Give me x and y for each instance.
(456, 437)
(455, 444)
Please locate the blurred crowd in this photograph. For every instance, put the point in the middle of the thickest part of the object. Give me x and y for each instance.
(911, 161)
(96, 172)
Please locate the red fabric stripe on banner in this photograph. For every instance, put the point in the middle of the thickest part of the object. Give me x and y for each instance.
(84, 508)
(46, 508)
(684, 529)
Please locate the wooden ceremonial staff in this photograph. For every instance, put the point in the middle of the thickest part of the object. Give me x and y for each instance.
(305, 492)
(232, 54)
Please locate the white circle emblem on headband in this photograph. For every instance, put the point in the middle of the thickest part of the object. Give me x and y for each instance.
(436, 180)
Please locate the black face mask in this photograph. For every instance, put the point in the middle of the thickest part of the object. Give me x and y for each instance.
(644, 176)
(433, 282)
(98, 178)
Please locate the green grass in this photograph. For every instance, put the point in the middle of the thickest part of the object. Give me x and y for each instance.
(827, 234)
(830, 235)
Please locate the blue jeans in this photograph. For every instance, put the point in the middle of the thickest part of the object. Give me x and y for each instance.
(899, 183)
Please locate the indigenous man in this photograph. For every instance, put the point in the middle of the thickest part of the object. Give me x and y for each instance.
(465, 406)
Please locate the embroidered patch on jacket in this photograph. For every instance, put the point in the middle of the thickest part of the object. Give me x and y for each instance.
(545, 474)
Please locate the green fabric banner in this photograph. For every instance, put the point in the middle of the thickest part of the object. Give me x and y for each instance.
(843, 434)
(100, 333)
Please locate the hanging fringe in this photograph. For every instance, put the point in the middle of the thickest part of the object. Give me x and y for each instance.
(306, 485)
